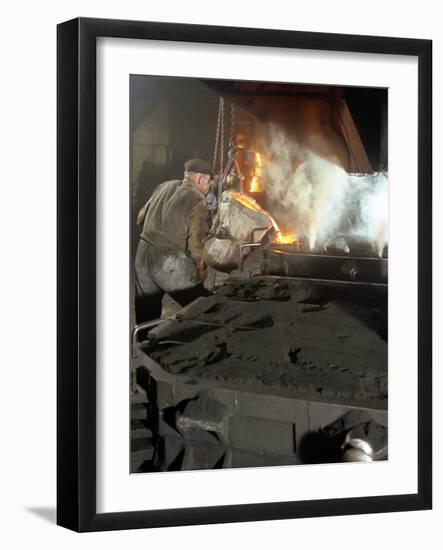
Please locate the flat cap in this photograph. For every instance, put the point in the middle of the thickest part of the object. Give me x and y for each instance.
(199, 166)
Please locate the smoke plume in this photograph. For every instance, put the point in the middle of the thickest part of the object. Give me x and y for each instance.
(318, 199)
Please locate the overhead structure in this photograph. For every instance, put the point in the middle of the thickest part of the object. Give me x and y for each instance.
(318, 117)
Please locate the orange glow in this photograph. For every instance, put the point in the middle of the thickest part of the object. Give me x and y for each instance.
(255, 185)
(252, 204)
(247, 201)
(285, 238)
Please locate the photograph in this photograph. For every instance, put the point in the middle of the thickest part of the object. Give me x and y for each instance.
(258, 272)
(231, 223)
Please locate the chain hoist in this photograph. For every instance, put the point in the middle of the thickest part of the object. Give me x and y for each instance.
(217, 136)
(233, 141)
(219, 147)
(222, 137)
(220, 141)
(224, 170)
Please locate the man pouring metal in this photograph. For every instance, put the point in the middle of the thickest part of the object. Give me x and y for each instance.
(169, 256)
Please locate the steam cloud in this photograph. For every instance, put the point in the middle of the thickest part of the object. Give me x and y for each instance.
(320, 200)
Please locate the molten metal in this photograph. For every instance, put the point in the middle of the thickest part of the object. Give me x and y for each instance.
(255, 185)
(285, 238)
(252, 204)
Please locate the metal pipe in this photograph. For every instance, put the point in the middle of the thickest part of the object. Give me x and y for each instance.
(140, 327)
(325, 281)
(251, 244)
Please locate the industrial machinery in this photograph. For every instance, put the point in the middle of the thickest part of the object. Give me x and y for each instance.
(270, 370)
(286, 363)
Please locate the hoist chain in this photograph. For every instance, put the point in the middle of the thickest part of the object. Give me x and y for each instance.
(219, 147)
(233, 126)
(222, 135)
(217, 134)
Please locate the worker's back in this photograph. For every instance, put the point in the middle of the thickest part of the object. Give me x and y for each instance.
(165, 215)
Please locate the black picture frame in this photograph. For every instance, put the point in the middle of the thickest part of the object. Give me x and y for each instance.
(76, 264)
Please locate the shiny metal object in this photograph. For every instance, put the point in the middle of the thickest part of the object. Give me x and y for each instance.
(356, 449)
(351, 269)
(140, 327)
(356, 455)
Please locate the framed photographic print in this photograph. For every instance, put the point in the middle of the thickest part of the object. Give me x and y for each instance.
(244, 274)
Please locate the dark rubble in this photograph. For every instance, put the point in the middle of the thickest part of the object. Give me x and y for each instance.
(328, 339)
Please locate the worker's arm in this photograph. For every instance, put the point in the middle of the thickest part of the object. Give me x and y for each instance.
(197, 231)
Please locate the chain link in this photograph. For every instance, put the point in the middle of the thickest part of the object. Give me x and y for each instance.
(217, 137)
(222, 135)
(219, 147)
(233, 126)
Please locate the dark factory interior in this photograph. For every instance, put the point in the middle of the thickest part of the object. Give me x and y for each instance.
(284, 361)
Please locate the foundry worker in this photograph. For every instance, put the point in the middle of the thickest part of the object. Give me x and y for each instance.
(169, 256)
